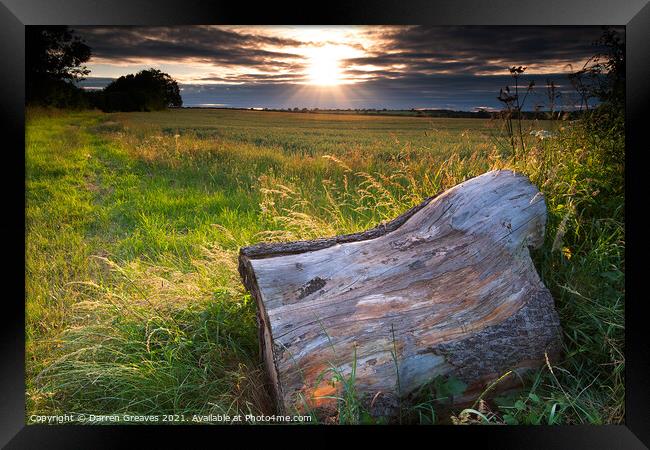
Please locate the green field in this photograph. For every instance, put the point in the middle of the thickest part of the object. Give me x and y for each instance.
(134, 220)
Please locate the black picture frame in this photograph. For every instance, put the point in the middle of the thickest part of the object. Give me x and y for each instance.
(15, 14)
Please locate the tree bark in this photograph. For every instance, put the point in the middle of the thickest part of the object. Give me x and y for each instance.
(446, 289)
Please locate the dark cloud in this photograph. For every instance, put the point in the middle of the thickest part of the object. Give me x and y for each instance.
(481, 49)
(531, 43)
(418, 48)
(202, 43)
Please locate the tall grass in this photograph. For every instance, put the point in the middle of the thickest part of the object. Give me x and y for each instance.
(582, 260)
(134, 304)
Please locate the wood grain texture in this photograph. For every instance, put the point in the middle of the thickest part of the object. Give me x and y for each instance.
(447, 288)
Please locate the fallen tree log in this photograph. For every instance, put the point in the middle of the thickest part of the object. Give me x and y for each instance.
(446, 289)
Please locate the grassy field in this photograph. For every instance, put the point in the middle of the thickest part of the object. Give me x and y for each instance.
(134, 220)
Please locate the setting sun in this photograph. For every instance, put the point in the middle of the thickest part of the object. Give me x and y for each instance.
(324, 67)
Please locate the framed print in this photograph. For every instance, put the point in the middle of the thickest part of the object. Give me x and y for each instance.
(382, 217)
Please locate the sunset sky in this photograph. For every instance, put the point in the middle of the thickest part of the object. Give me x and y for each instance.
(394, 67)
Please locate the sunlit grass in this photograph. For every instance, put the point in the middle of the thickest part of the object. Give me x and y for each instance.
(134, 304)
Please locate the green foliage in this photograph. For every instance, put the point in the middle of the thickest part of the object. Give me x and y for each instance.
(167, 331)
(603, 76)
(147, 90)
(446, 388)
(53, 57)
(55, 52)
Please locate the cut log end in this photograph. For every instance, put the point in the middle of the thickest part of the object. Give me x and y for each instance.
(446, 289)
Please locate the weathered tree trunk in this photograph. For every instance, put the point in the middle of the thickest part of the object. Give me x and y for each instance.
(447, 288)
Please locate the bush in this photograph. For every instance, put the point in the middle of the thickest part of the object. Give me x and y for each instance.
(148, 90)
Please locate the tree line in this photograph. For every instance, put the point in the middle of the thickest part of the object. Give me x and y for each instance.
(54, 65)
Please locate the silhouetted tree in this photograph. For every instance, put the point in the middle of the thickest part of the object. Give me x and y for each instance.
(147, 90)
(603, 76)
(607, 72)
(53, 59)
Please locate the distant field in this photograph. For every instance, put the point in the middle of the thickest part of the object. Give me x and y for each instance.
(313, 134)
(134, 220)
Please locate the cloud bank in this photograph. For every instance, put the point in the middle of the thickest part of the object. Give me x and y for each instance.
(387, 66)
